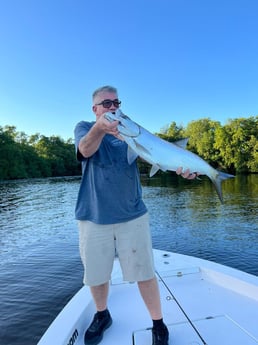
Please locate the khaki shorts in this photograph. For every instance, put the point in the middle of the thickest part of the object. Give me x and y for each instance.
(130, 240)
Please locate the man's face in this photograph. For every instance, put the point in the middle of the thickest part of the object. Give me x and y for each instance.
(100, 109)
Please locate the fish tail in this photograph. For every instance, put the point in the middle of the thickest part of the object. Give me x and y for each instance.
(218, 177)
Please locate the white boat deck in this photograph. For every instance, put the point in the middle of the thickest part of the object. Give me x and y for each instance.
(203, 303)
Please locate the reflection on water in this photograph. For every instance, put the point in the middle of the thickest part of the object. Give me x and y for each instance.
(40, 264)
(32, 211)
(191, 220)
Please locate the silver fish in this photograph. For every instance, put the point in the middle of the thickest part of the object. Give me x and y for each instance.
(162, 154)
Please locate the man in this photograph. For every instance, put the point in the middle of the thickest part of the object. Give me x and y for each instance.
(113, 217)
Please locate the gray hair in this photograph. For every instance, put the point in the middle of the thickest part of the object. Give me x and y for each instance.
(106, 88)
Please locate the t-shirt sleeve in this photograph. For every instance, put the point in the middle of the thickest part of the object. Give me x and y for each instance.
(81, 129)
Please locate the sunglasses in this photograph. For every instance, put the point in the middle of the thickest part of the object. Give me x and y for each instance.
(107, 103)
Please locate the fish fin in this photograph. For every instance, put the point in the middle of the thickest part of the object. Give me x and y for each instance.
(154, 169)
(131, 144)
(131, 155)
(142, 148)
(217, 179)
(181, 143)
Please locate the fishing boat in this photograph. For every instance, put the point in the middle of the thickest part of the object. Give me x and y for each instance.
(203, 303)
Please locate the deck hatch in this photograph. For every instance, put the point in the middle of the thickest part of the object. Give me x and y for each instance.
(215, 330)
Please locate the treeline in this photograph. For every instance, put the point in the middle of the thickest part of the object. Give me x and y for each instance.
(23, 156)
(232, 147)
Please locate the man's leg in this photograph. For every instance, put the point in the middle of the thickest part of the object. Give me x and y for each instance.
(102, 319)
(150, 293)
(97, 251)
(133, 241)
(100, 295)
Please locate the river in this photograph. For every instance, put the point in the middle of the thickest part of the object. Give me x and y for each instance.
(40, 264)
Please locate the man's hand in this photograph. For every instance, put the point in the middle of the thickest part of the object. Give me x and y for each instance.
(106, 127)
(187, 174)
(89, 144)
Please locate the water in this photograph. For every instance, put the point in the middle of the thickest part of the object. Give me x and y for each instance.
(40, 265)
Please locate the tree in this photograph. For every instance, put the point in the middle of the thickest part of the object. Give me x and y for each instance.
(201, 134)
(237, 144)
(172, 132)
(58, 154)
(36, 156)
(11, 159)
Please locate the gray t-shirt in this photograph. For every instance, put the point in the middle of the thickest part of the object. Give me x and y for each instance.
(110, 190)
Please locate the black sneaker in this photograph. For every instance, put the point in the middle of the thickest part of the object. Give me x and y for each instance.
(94, 333)
(160, 336)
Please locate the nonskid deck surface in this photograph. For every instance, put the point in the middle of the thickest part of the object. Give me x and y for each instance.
(198, 308)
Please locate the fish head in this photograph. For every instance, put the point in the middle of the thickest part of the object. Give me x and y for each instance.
(126, 126)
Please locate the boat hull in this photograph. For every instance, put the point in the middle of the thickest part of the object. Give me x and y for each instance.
(203, 303)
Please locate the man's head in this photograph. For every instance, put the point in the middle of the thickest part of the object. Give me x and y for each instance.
(105, 99)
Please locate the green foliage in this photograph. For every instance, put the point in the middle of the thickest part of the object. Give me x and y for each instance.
(11, 159)
(237, 143)
(201, 136)
(172, 132)
(35, 156)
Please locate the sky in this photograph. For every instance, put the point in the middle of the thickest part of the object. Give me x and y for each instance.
(171, 60)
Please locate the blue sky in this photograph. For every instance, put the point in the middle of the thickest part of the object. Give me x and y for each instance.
(171, 60)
